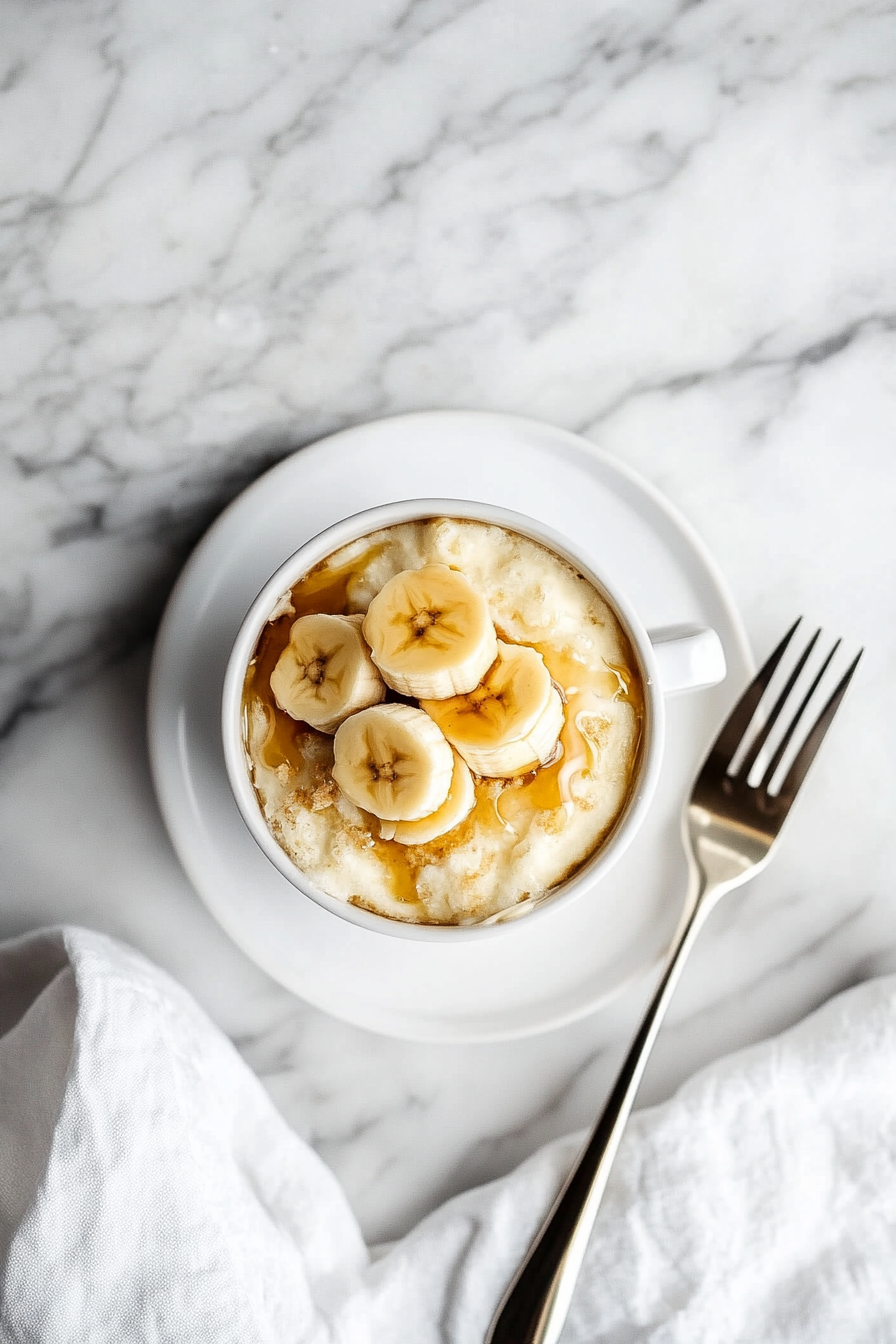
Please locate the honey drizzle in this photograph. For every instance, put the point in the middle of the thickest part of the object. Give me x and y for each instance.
(550, 788)
(320, 590)
(543, 790)
(326, 590)
(402, 873)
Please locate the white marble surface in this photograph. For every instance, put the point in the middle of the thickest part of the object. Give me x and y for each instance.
(229, 230)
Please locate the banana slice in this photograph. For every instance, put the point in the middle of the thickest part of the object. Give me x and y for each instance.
(511, 722)
(458, 804)
(325, 673)
(393, 761)
(430, 633)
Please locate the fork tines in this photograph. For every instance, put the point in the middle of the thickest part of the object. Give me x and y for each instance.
(735, 732)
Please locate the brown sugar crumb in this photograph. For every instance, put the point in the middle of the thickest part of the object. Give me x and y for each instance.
(595, 728)
(469, 891)
(324, 795)
(584, 799)
(293, 808)
(554, 821)
(284, 772)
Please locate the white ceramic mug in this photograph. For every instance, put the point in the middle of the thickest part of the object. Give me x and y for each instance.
(671, 660)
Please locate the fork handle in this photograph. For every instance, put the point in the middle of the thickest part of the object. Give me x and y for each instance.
(535, 1304)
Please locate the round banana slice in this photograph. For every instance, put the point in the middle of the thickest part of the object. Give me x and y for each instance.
(393, 761)
(325, 673)
(511, 722)
(430, 633)
(457, 806)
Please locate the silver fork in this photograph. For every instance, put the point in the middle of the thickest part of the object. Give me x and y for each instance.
(730, 831)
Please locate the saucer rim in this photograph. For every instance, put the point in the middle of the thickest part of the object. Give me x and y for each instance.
(459, 1027)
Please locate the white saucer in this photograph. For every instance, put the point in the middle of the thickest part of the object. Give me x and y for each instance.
(538, 976)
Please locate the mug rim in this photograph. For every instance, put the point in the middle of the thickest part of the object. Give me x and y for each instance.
(353, 528)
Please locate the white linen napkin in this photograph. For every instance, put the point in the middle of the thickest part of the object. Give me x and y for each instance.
(149, 1191)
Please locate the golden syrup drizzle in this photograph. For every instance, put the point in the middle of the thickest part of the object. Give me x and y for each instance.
(321, 590)
(402, 874)
(550, 788)
(501, 806)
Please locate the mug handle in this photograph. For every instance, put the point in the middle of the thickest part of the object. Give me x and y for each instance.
(688, 657)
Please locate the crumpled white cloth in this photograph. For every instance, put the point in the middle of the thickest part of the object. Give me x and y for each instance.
(149, 1191)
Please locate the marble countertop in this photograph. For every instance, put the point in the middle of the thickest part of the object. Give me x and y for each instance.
(669, 228)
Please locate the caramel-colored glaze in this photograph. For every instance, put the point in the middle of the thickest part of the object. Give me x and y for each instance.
(321, 590)
(402, 874)
(500, 806)
(548, 788)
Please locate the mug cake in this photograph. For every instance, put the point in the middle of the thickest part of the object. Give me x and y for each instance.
(442, 722)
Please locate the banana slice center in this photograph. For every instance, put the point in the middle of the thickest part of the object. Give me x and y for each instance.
(431, 626)
(486, 692)
(316, 670)
(491, 702)
(387, 767)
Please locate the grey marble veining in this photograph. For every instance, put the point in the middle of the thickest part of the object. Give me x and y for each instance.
(226, 238)
(670, 227)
